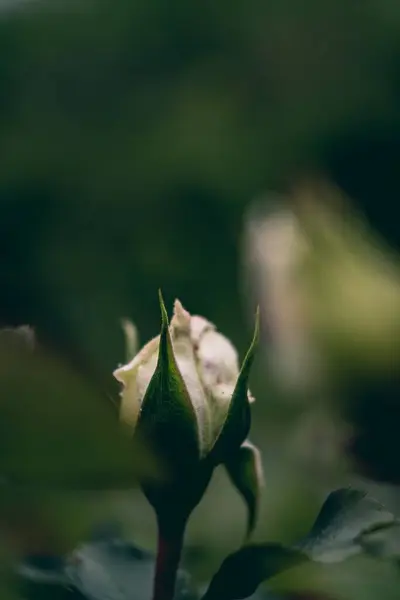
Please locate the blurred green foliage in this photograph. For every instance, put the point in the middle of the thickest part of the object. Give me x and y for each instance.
(133, 134)
(56, 430)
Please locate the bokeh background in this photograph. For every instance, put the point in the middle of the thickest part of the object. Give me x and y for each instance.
(135, 137)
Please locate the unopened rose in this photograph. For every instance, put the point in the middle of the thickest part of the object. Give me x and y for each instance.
(186, 395)
(207, 361)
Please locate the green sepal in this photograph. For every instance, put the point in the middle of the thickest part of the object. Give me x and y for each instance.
(236, 426)
(245, 470)
(167, 420)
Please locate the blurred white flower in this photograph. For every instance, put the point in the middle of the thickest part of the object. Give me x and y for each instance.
(274, 251)
(328, 289)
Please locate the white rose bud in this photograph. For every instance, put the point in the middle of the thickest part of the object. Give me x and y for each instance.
(186, 395)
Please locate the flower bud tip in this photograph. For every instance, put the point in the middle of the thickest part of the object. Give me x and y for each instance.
(181, 317)
(164, 315)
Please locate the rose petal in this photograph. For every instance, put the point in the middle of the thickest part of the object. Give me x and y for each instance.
(135, 377)
(198, 326)
(218, 360)
(187, 366)
(221, 396)
(181, 319)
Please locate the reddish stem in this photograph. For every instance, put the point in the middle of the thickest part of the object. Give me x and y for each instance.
(169, 551)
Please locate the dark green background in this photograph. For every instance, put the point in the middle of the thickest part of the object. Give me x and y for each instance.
(133, 134)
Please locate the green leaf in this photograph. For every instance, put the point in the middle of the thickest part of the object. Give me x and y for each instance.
(383, 542)
(113, 569)
(346, 515)
(242, 572)
(56, 429)
(43, 578)
(236, 426)
(104, 568)
(347, 524)
(110, 570)
(167, 419)
(245, 470)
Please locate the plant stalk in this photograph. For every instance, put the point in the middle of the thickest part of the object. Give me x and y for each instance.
(169, 550)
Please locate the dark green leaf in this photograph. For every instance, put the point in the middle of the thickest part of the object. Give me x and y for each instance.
(384, 542)
(104, 568)
(56, 429)
(349, 523)
(237, 423)
(245, 470)
(112, 569)
(167, 420)
(44, 578)
(346, 515)
(242, 572)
